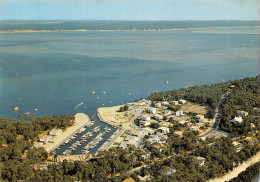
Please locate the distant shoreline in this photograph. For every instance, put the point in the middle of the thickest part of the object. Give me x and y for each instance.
(118, 30)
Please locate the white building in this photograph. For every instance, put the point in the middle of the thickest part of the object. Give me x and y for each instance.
(145, 123)
(158, 117)
(179, 133)
(145, 117)
(171, 116)
(194, 128)
(122, 145)
(164, 129)
(201, 160)
(179, 113)
(55, 132)
(166, 112)
(153, 140)
(157, 105)
(181, 101)
(198, 117)
(152, 110)
(174, 102)
(237, 120)
(131, 139)
(165, 103)
(46, 138)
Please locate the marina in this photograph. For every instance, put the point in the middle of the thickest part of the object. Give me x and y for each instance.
(87, 140)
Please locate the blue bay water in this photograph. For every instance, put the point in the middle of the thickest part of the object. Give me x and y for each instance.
(55, 71)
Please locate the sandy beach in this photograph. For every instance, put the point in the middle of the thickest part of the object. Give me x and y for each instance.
(111, 116)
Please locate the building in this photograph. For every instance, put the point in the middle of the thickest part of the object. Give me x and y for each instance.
(194, 128)
(158, 117)
(179, 113)
(203, 120)
(201, 160)
(250, 140)
(145, 123)
(181, 101)
(130, 139)
(157, 105)
(46, 138)
(55, 132)
(237, 146)
(199, 124)
(164, 130)
(145, 117)
(237, 120)
(122, 145)
(153, 140)
(174, 102)
(152, 110)
(136, 133)
(166, 112)
(171, 116)
(243, 113)
(198, 117)
(178, 133)
(165, 103)
(168, 172)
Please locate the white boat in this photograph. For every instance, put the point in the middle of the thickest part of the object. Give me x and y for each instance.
(16, 108)
(93, 92)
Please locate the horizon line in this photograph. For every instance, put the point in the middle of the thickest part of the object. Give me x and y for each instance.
(110, 20)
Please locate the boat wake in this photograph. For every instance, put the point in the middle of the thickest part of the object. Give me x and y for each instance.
(80, 104)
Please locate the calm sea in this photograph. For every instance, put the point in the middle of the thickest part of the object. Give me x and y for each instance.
(55, 71)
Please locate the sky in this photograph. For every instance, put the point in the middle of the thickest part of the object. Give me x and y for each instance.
(129, 9)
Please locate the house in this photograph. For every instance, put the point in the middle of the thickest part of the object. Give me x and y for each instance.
(174, 102)
(183, 122)
(137, 133)
(144, 123)
(198, 117)
(178, 133)
(166, 112)
(158, 117)
(122, 145)
(145, 117)
(250, 140)
(168, 172)
(203, 120)
(181, 101)
(55, 132)
(157, 147)
(194, 128)
(237, 146)
(201, 160)
(145, 156)
(164, 130)
(157, 105)
(171, 116)
(243, 113)
(252, 125)
(152, 110)
(165, 103)
(46, 138)
(179, 113)
(130, 139)
(199, 124)
(237, 120)
(153, 140)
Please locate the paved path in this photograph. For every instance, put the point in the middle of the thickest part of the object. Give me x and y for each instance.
(236, 171)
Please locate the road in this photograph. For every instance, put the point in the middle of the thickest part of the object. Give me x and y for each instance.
(216, 119)
(122, 130)
(236, 171)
